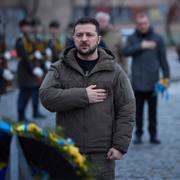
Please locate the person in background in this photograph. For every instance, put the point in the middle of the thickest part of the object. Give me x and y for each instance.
(29, 75)
(54, 43)
(69, 42)
(148, 53)
(39, 61)
(178, 51)
(111, 39)
(40, 43)
(5, 74)
(92, 98)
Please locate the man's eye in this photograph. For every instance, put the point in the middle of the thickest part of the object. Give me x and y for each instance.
(90, 35)
(79, 35)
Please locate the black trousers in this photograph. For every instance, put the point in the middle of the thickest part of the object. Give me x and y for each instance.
(151, 99)
(23, 98)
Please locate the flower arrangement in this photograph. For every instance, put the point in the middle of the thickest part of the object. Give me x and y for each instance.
(161, 87)
(52, 138)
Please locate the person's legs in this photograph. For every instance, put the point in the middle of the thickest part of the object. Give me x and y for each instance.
(23, 97)
(105, 169)
(152, 112)
(140, 99)
(178, 51)
(35, 103)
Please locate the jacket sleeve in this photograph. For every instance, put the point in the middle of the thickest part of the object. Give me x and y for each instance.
(56, 99)
(163, 59)
(131, 47)
(124, 102)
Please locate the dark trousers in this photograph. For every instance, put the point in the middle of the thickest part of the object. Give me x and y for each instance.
(23, 98)
(141, 98)
(104, 169)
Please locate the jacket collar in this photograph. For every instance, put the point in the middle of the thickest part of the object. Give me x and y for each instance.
(105, 61)
(150, 31)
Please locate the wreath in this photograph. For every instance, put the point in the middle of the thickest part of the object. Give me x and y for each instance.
(47, 152)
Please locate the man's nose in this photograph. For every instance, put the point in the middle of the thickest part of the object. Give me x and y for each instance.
(84, 37)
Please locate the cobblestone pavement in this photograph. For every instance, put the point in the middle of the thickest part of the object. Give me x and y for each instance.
(156, 162)
(146, 161)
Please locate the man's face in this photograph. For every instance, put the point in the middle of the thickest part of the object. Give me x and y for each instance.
(26, 29)
(143, 24)
(103, 22)
(53, 31)
(86, 39)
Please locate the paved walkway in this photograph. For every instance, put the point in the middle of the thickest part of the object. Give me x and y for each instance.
(146, 161)
(156, 162)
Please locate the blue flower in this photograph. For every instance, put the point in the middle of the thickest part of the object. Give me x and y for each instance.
(5, 127)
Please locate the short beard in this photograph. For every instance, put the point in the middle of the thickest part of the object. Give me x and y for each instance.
(89, 52)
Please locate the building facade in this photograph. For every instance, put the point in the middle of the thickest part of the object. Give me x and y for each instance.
(122, 11)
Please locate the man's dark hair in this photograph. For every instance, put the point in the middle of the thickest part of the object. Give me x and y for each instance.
(88, 20)
(25, 22)
(54, 24)
(35, 21)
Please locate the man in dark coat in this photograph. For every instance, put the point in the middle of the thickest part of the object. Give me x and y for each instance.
(148, 56)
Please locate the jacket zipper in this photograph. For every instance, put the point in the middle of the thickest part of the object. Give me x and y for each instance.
(86, 74)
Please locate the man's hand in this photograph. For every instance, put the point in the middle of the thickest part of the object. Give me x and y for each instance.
(95, 95)
(114, 154)
(148, 44)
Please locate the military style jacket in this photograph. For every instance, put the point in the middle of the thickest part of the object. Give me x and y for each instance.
(94, 127)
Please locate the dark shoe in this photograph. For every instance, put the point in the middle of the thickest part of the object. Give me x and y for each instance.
(138, 140)
(155, 141)
(23, 119)
(39, 115)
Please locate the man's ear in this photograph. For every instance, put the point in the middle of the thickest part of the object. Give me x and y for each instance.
(99, 39)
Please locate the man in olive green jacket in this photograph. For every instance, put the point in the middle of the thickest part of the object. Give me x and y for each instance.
(93, 98)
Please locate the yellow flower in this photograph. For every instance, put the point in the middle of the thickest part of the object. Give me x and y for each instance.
(165, 82)
(20, 128)
(74, 151)
(34, 127)
(53, 137)
(79, 159)
(65, 148)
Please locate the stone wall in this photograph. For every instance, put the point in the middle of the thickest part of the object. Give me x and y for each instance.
(55, 10)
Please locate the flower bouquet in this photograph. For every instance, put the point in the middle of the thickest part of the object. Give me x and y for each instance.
(161, 87)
